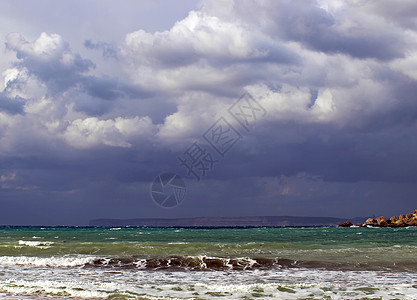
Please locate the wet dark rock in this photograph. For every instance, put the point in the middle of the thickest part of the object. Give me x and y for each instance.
(345, 224)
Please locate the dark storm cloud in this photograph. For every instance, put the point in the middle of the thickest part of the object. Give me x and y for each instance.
(102, 179)
(102, 94)
(108, 49)
(50, 59)
(85, 128)
(110, 88)
(333, 154)
(403, 14)
(317, 29)
(346, 30)
(11, 106)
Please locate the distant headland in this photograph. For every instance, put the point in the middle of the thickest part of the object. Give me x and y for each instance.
(402, 220)
(257, 221)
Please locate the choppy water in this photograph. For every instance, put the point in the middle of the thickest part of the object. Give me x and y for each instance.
(246, 263)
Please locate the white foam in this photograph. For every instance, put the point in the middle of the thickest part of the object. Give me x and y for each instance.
(262, 284)
(62, 261)
(178, 243)
(35, 243)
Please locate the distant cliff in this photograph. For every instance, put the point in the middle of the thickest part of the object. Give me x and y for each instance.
(224, 221)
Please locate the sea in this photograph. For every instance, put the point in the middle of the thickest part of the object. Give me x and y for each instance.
(208, 263)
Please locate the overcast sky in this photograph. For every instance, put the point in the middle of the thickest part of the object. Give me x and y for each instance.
(97, 98)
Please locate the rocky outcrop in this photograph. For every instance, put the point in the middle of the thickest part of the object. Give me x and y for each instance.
(413, 222)
(394, 219)
(400, 221)
(370, 222)
(345, 224)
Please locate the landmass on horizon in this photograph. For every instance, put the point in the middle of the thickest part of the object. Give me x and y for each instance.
(257, 221)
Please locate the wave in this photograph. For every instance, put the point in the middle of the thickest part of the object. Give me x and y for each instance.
(175, 262)
(201, 263)
(35, 243)
(64, 261)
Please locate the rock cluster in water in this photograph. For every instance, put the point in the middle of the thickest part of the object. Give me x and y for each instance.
(401, 221)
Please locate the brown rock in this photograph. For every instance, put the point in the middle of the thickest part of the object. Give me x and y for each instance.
(394, 219)
(380, 219)
(412, 222)
(345, 224)
(383, 224)
(400, 223)
(371, 222)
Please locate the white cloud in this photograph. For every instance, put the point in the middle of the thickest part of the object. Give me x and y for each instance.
(324, 105)
(90, 132)
(50, 59)
(9, 76)
(402, 13)
(336, 53)
(18, 82)
(203, 63)
(200, 52)
(198, 36)
(406, 65)
(45, 46)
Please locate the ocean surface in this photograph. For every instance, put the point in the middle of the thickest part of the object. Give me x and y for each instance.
(204, 263)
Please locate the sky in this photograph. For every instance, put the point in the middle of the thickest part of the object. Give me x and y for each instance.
(255, 108)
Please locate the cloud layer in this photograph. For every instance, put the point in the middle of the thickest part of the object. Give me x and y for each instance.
(337, 80)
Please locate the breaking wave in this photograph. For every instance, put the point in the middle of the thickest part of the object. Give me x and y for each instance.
(198, 263)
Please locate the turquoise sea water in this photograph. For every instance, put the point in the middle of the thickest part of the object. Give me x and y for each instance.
(203, 263)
